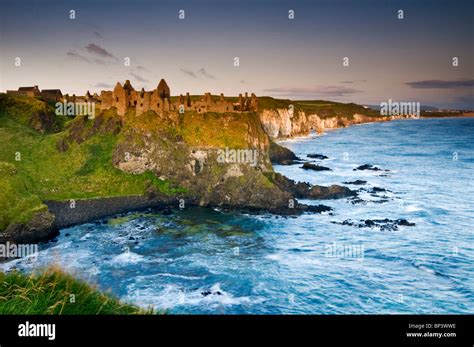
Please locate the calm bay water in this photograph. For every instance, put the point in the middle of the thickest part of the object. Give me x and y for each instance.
(209, 261)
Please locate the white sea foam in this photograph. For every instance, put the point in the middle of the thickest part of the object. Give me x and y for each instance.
(172, 296)
(274, 256)
(413, 208)
(127, 258)
(181, 276)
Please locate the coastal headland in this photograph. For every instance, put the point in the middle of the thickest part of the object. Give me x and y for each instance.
(58, 170)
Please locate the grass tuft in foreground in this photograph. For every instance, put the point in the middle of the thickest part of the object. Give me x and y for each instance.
(55, 292)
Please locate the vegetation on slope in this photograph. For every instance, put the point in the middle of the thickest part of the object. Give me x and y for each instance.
(33, 169)
(325, 109)
(220, 130)
(31, 112)
(17, 203)
(55, 292)
(322, 108)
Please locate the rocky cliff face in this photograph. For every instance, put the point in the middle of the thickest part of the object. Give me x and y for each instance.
(37, 229)
(282, 123)
(220, 160)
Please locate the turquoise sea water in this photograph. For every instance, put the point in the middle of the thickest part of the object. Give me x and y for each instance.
(210, 261)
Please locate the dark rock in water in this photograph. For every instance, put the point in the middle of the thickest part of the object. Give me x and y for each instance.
(131, 238)
(404, 222)
(281, 155)
(368, 167)
(369, 223)
(374, 191)
(332, 192)
(357, 200)
(309, 166)
(381, 224)
(381, 201)
(304, 190)
(67, 234)
(317, 208)
(208, 292)
(356, 182)
(317, 156)
(289, 162)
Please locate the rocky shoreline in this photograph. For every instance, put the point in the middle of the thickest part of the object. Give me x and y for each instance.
(92, 209)
(45, 226)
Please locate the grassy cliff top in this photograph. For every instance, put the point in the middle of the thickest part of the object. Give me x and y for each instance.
(58, 158)
(323, 108)
(33, 169)
(55, 292)
(220, 130)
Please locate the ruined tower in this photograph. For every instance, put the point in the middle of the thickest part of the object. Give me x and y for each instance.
(121, 99)
(160, 98)
(163, 89)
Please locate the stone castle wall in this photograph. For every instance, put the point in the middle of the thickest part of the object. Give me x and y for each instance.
(157, 100)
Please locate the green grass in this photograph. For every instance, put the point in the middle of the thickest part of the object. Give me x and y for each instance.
(326, 109)
(83, 171)
(17, 203)
(267, 102)
(32, 112)
(220, 130)
(55, 292)
(323, 108)
(32, 169)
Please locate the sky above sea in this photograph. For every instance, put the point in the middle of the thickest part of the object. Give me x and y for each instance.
(297, 55)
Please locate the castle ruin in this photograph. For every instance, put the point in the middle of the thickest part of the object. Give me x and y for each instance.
(47, 94)
(123, 97)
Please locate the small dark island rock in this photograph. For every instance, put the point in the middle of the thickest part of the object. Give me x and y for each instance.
(381, 224)
(309, 166)
(356, 182)
(317, 156)
(368, 167)
(304, 190)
